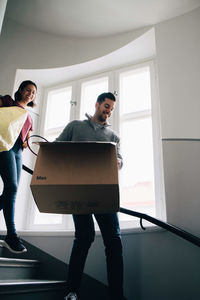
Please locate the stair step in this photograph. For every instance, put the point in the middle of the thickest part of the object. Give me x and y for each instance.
(32, 289)
(18, 262)
(11, 286)
(14, 268)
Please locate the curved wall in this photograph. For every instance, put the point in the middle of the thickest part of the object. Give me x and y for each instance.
(23, 48)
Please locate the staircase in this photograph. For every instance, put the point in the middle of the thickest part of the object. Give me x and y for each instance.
(37, 275)
(28, 279)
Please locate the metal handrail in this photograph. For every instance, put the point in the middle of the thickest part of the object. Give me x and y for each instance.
(25, 168)
(176, 230)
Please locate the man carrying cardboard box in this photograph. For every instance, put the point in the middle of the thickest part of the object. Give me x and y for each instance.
(95, 128)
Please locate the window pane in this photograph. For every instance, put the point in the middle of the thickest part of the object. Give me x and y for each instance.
(52, 136)
(135, 93)
(58, 115)
(137, 174)
(90, 90)
(58, 109)
(44, 218)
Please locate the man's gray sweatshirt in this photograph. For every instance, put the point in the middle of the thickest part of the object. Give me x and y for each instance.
(89, 131)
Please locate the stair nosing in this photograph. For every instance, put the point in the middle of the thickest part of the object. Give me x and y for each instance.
(29, 281)
(29, 286)
(16, 262)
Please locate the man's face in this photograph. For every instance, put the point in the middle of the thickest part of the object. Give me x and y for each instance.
(104, 110)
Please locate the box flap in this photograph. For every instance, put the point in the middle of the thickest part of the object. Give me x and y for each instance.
(76, 163)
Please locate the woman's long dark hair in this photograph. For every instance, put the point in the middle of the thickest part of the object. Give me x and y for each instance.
(22, 86)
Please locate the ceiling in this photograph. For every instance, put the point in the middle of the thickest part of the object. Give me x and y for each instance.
(94, 18)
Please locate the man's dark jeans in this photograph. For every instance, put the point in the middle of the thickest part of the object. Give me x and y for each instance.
(84, 236)
(10, 170)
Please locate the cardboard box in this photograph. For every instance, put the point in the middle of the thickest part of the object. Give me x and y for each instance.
(76, 178)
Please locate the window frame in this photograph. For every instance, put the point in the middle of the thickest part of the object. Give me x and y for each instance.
(44, 107)
(160, 208)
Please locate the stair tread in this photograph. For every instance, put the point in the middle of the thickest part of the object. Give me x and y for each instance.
(9, 262)
(18, 259)
(27, 286)
(29, 281)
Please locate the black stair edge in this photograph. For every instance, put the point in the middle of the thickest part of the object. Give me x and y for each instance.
(9, 287)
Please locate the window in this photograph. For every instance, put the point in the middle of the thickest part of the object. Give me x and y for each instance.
(132, 119)
(58, 112)
(89, 93)
(57, 115)
(137, 174)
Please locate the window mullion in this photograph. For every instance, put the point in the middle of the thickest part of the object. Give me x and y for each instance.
(114, 87)
(75, 104)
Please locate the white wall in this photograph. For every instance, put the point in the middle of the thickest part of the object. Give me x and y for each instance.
(158, 265)
(23, 48)
(182, 183)
(178, 60)
(178, 57)
(3, 4)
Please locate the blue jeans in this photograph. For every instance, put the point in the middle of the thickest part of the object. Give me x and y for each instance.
(84, 236)
(10, 171)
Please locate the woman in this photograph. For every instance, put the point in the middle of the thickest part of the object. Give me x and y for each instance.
(11, 163)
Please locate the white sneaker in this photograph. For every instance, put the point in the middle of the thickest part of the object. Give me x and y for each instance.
(71, 296)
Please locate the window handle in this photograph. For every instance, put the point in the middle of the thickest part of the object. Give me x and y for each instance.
(73, 102)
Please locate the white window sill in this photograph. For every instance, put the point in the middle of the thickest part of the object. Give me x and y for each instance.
(124, 231)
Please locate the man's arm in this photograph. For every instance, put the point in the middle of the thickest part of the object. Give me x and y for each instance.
(119, 157)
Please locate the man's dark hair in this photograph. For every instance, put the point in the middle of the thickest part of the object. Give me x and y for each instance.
(101, 97)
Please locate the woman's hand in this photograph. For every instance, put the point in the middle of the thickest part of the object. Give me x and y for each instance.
(25, 144)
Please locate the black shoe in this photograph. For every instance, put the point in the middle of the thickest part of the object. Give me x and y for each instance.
(71, 296)
(14, 244)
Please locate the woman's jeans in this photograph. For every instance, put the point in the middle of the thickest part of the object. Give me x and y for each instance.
(10, 170)
(84, 236)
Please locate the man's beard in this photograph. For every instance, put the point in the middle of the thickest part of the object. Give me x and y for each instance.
(103, 117)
